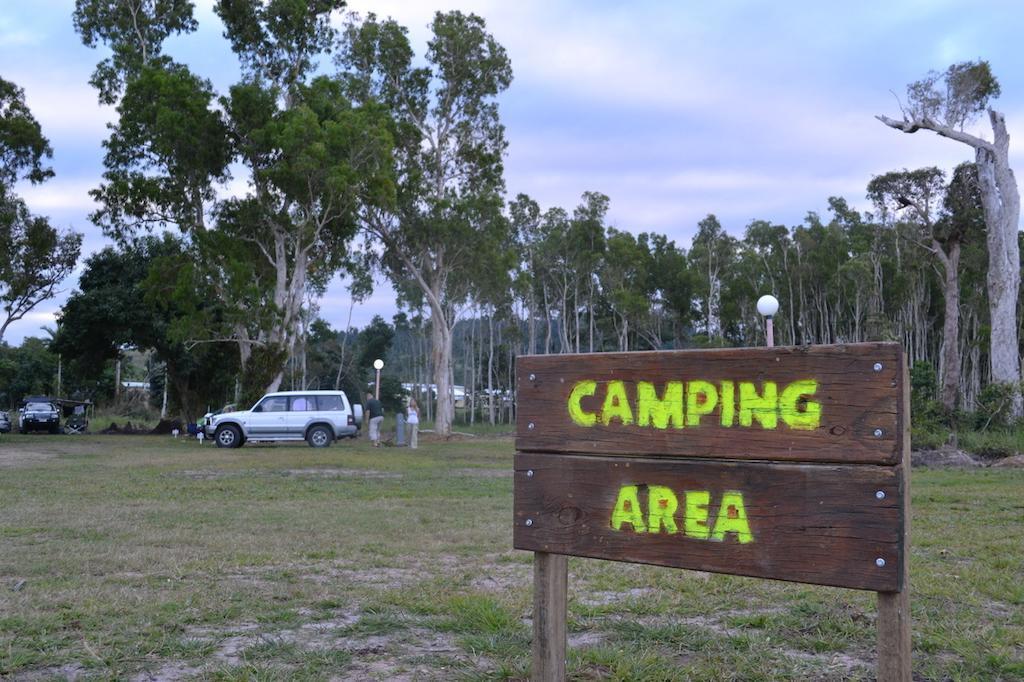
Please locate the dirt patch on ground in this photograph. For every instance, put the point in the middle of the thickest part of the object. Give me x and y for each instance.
(337, 473)
(605, 598)
(40, 448)
(396, 656)
(11, 458)
(70, 672)
(216, 474)
(503, 577)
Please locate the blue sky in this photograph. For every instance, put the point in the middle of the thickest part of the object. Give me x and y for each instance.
(749, 110)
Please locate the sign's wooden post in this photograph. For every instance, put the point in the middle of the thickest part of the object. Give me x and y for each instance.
(894, 607)
(783, 463)
(550, 602)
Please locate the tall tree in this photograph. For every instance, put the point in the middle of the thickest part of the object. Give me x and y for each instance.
(712, 253)
(34, 256)
(135, 296)
(944, 104)
(134, 30)
(34, 259)
(448, 227)
(922, 192)
(311, 158)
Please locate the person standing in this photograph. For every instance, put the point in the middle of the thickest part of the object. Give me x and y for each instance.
(413, 421)
(376, 412)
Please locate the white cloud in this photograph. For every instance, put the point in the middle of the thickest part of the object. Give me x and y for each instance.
(58, 194)
(64, 104)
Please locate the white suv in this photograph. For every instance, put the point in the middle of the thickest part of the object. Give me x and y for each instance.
(317, 417)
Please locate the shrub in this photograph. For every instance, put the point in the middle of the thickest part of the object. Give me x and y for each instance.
(995, 406)
(928, 438)
(992, 444)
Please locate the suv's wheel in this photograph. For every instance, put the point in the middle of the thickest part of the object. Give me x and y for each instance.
(228, 436)
(319, 437)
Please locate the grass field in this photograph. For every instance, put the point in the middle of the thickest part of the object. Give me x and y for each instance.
(148, 558)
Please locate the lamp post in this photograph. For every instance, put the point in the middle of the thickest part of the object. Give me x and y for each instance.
(768, 305)
(378, 365)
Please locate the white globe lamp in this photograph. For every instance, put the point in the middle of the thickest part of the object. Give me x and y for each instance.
(768, 305)
(378, 365)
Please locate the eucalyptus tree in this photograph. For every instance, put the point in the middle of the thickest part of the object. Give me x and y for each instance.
(674, 286)
(310, 156)
(712, 254)
(922, 192)
(626, 285)
(944, 104)
(135, 31)
(34, 256)
(766, 267)
(447, 227)
(524, 219)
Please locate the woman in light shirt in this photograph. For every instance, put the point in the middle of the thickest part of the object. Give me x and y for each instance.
(413, 421)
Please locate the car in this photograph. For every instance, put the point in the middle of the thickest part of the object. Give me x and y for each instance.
(204, 421)
(317, 417)
(39, 415)
(5, 422)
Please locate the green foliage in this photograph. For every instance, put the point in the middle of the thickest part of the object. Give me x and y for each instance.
(314, 159)
(374, 341)
(34, 258)
(995, 406)
(141, 296)
(927, 414)
(22, 145)
(263, 366)
(279, 40)
(992, 443)
(134, 30)
(392, 395)
(29, 369)
(930, 435)
(167, 149)
(955, 97)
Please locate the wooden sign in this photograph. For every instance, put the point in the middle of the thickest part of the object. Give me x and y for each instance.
(827, 524)
(783, 463)
(813, 404)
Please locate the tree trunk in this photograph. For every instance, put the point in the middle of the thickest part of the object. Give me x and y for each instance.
(441, 343)
(490, 368)
(1001, 202)
(714, 306)
(950, 381)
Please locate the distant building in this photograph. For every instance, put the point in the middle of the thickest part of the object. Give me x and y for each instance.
(137, 386)
(458, 392)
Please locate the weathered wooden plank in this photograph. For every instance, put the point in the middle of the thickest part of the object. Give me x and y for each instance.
(550, 608)
(854, 386)
(812, 523)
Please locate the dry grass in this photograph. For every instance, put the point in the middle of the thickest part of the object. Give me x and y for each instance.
(149, 558)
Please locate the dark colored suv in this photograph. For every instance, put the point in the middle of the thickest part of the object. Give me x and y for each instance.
(39, 415)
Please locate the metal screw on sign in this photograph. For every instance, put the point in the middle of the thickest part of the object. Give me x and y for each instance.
(531, 426)
(529, 522)
(878, 367)
(879, 562)
(878, 433)
(529, 473)
(880, 494)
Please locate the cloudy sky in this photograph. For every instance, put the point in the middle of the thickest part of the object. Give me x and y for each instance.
(675, 109)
